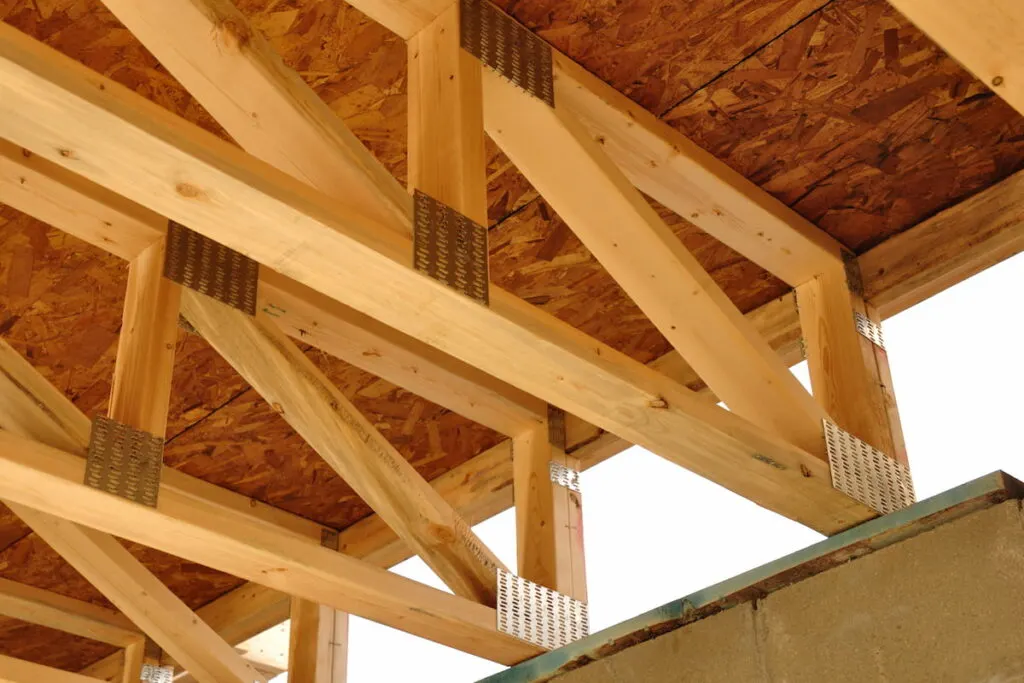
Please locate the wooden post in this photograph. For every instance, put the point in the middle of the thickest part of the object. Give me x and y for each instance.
(849, 373)
(318, 644)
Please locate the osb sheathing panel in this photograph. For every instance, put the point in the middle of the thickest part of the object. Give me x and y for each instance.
(49, 647)
(857, 121)
(851, 116)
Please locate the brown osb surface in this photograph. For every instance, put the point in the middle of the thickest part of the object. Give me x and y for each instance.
(49, 647)
(851, 116)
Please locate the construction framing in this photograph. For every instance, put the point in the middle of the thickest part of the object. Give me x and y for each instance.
(298, 236)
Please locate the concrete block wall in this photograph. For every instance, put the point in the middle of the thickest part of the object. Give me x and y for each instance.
(946, 606)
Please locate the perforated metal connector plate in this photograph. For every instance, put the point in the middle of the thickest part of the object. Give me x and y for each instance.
(556, 427)
(539, 615)
(450, 248)
(210, 268)
(869, 328)
(157, 674)
(124, 461)
(867, 474)
(564, 476)
(508, 47)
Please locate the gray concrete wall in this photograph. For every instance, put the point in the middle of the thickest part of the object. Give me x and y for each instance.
(944, 606)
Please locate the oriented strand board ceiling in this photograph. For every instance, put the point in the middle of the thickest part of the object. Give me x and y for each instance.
(840, 109)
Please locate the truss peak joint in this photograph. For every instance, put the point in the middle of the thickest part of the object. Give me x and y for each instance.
(124, 461)
(539, 615)
(507, 47)
(865, 473)
(869, 329)
(210, 268)
(450, 248)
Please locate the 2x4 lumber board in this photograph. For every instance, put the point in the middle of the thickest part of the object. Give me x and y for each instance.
(83, 619)
(210, 48)
(141, 389)
(47, 479)
(571, 171)
(317, 644)
(76, 118)
(328, 421)
(549, 519)
(133, 659)
(845, 366)
(986, 36)
(945, 249)
(446, 119)
(19, 671)
(106, 564)
(666, 165)
(44, 190)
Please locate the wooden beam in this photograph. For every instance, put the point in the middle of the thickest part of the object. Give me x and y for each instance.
(945, 249)
(849, 373)
(132, 146)
(47, 479)
(483, 486)
(228, 66)
(106, 564)
(446, 119)
(318, 644)
(212, 526)
(83, 619)
(549, 515)
(19, 671)
(134, 659)
(549, 146)
(141, 388)
(110, 222)
(666, 165)
(328, 421)
(986, 36)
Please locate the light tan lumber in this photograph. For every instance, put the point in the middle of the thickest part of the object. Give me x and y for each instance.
(945, 249)
(19, 671)
(328, 421)
(318, 644)
(549, 517)
(37, 606)
(236, 616)
(549, 146)
(47, 479)
(106, 564)
(134, 658)
(986, 36)
(666, 165)
(187, 174)
(61, 198)
(141, 388)
(76, 205)
(210, 48)
(446, 120)
(842, 362)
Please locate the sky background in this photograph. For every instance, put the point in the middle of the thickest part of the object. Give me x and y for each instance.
(654, 532)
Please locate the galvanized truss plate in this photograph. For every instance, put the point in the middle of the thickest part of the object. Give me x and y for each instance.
(564, 476)
(210, 268)
(330, 538)
(556, 427)
(539, 615)
(869, 328)
(124, 461)
(867, 474)
(450, 248)
(508, 47)
(157, 674)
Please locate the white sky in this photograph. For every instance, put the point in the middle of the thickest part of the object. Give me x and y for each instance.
(654, 532)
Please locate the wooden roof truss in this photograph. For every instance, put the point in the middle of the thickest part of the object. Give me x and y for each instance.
(333, 229)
